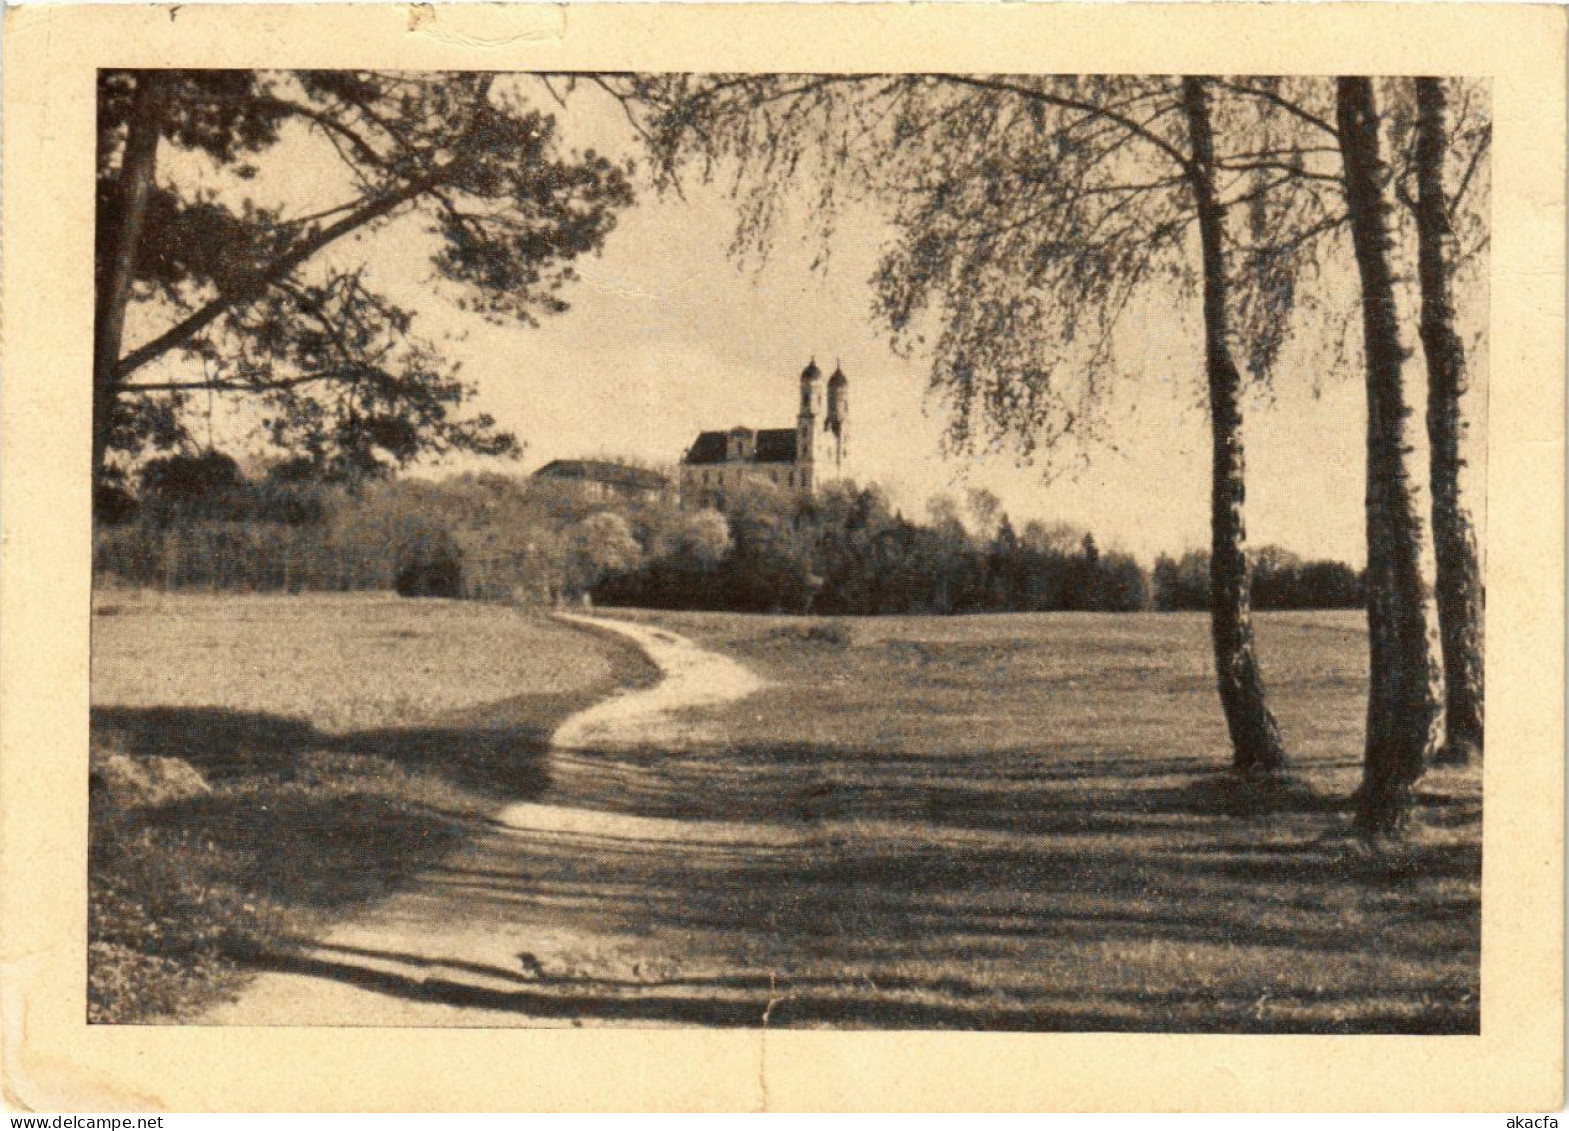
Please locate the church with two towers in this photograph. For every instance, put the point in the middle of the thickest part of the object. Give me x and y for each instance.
(797, 460)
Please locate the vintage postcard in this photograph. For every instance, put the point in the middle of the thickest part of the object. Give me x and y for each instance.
(783, 557)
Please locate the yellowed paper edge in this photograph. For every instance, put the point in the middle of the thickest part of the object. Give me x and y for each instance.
(51, 1059)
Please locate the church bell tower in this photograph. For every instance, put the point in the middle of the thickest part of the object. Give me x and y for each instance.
(811, 409)
(837, 424)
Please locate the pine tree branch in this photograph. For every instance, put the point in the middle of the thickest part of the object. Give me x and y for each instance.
(221, 385)
(1276, 166)
(369, 211)
(183, 331)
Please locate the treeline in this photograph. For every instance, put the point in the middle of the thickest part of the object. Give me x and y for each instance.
(1281, 580)
(846, 551)
(199, 522)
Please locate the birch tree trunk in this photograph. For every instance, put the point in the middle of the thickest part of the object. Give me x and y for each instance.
(137, 166)
(1255, 737)
(1459, 578)
(1405, 702)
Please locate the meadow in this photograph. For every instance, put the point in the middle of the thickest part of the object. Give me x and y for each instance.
(1027, 821)
(263, 765)
(1001, 822)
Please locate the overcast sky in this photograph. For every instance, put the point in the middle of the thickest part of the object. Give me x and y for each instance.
(668, 335)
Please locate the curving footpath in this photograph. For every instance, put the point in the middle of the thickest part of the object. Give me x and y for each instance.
(657, 717)
(446, 952)
(691, 678)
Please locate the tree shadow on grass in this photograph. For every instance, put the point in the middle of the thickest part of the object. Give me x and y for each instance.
(915, 859)
(806, 784)
(498, 750)
(298, 822)
(757, 1001)
(904, 867)
(1015, 792)
(303, 850)
(901, 925)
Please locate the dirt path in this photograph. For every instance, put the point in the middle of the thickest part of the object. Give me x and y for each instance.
(455, 948)
(899, 833)
(692, 678)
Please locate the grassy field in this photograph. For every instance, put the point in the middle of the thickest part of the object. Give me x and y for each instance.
(1025, 822)
(263, 765)
(1009, 822)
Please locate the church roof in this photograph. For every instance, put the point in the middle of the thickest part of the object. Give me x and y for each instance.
(708, 448)
(774, 445)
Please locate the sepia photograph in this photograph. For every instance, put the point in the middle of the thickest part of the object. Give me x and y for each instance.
(975, 551)
(782, 558)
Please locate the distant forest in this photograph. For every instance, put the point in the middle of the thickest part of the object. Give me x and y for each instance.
(199, 522)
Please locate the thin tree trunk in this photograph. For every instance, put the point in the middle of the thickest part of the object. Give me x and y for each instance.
(1459, 577)
(1255, 737)
(1405, 702)
(137, 166)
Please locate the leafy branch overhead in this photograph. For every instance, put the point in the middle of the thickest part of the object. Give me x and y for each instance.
(1029, 216)
(245, 296)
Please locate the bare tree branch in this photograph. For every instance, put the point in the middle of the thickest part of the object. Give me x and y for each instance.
(1465, 181)
(1089, 109)
(1285, 104)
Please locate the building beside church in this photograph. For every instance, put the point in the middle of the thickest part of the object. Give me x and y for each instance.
(798, 459)
(603, 479)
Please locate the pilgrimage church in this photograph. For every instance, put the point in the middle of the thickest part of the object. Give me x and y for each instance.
(798, 459)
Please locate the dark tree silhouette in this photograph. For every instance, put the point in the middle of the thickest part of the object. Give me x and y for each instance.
(239, 292)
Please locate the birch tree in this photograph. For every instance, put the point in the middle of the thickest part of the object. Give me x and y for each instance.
(1405, 702)
(1446, 159)
(1029, 214)
(1444, 154)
